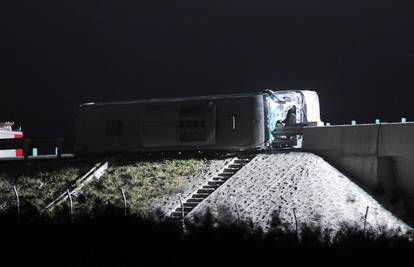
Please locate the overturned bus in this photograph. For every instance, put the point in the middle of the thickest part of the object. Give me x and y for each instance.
(223, 122)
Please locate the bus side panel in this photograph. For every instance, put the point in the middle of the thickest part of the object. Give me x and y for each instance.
(108, 128)
(240, 123)
(231, 123)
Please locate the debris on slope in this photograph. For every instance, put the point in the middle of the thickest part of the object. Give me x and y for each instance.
(95, 173)
(301, 185)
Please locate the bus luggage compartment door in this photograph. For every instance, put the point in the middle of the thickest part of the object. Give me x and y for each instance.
(159, 126)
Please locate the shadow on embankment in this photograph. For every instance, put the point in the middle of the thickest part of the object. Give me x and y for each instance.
(109, 237)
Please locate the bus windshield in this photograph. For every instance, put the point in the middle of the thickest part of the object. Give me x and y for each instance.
(278, 105)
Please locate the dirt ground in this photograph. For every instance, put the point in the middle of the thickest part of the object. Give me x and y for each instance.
(300, 184)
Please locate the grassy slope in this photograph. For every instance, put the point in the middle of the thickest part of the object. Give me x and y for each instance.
(142, 180)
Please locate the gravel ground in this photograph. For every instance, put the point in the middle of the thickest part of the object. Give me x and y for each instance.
(169, 202)
(304, 182)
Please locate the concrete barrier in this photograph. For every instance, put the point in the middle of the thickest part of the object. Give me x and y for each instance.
(346, 140)
(353, 149)
(364, 168)
(396, 139)
(404, 178)
(397, 142)
(378, 156)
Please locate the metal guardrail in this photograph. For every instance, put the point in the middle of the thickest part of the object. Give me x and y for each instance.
(288, 131)
(296, 129)
(286, 136)
(27, 144)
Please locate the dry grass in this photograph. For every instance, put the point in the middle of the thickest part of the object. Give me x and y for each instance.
(141, 179)
(142, 182)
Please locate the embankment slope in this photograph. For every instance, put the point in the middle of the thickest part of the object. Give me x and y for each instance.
(302, 182)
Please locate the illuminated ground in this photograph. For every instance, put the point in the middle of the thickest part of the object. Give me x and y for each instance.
(303, 182)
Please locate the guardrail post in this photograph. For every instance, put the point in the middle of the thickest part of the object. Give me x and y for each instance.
(26, 149)
(125, 201)
(296, 221)
(182, 211)
(59, 148)
(365, 218)
(17, 200)
(71, 204)
(238, 212)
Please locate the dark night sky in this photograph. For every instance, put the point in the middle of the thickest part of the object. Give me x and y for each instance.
(57, 54)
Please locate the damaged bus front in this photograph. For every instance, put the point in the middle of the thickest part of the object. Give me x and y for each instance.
(287, 112)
